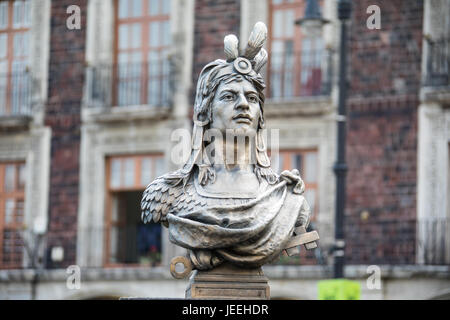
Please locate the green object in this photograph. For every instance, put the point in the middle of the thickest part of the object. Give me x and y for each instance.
(339, 289)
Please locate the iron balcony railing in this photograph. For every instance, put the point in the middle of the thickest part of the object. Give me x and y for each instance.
(129, 84)
(299, 74)
(132, 244)
(438, 62)
(15, 93)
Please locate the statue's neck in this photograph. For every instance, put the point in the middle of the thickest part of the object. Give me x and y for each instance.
(234, 168)
(234, 154)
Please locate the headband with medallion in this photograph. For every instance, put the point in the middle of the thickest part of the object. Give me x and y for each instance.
(254, 56)
(249, 63)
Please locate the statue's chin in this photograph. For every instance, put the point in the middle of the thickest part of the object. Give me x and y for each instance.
(241, 129)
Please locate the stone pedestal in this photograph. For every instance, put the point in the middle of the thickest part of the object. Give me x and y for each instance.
(228, 282)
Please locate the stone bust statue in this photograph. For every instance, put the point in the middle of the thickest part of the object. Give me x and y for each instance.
(224, 205)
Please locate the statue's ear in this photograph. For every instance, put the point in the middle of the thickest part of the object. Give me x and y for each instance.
(261, 122)
(203, 117)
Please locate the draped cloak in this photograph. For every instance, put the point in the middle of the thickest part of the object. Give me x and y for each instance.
(247, 234)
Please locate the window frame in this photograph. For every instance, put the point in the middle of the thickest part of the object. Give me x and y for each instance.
(17, 194)
(110, 192)
(10, 32)
(287, 165)
(298, 88)
(144, 21)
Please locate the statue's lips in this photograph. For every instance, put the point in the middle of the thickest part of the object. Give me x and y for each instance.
(245, 118)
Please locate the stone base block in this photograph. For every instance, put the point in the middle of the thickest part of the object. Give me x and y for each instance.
(228, 282)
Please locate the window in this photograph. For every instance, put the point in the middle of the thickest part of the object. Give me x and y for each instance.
(437, 44)
(14, 56)
(306, 161)
(142, 43)
(295, 60)
(12, 185)
(128, 240)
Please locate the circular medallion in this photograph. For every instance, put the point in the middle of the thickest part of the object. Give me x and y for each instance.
(242, 65)
(187, 267)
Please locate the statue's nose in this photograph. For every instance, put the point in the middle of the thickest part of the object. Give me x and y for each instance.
(242, 103)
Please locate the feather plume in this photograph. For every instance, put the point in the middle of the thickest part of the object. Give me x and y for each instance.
(260, 60)
(256, 40)
(231, 50)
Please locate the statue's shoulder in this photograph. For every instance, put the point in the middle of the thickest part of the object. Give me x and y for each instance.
(162, 194)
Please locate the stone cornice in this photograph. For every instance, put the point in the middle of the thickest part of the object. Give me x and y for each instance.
(304, 106)
(435, 94)
(274, 272)
(15, 122)
(124, 114)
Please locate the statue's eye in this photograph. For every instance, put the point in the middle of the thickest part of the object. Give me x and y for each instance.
(228, 97)
(252, 98)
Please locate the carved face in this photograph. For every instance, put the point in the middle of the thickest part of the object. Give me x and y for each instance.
(236, 106)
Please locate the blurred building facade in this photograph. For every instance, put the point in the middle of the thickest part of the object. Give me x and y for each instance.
(87, 117)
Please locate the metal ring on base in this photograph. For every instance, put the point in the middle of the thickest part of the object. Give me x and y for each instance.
(187, 267)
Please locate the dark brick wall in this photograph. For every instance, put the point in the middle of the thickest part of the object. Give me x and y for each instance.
(214, 19)
(382, 133)
(66, 77)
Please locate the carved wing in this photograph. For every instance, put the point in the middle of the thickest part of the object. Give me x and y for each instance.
(158, 198)
(189, 200)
